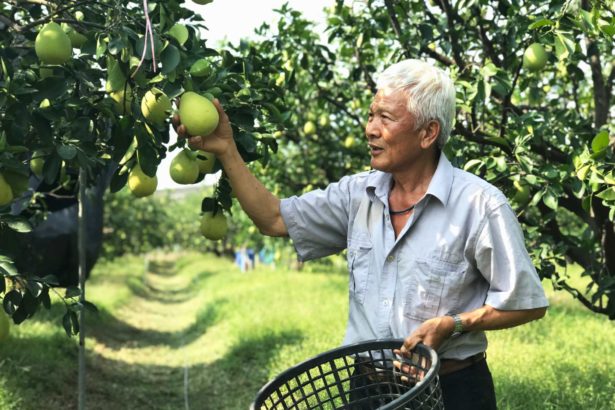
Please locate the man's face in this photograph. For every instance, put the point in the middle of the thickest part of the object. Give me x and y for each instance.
(393, 142)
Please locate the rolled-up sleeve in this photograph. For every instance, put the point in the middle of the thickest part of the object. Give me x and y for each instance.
(504, 262)
(317, 221)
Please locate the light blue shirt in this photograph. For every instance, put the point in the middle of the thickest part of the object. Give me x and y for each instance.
(461, 248)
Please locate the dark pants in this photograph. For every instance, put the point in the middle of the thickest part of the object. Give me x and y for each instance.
(470, 388)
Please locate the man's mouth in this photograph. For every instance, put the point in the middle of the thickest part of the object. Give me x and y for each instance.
(374, 149)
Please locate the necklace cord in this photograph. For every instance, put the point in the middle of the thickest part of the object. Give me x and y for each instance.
(403, 211)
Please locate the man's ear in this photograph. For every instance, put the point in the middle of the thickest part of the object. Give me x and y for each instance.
(429, 134)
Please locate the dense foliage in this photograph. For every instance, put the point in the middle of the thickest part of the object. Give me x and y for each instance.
(85, 114)
(545, 136)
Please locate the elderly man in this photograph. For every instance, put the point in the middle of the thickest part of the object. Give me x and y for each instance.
(435, 254)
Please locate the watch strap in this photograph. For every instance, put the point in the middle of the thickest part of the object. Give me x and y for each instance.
(458, 329)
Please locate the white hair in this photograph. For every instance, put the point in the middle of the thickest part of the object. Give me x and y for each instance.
(430, 91)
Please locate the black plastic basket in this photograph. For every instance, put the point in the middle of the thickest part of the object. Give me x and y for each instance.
(360, 376)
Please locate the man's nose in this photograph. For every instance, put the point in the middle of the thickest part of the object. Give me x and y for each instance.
(372, 129)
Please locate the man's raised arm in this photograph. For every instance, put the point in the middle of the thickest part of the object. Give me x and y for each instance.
(261, 205)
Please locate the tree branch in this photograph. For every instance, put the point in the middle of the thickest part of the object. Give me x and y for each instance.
(452, 33)
(50, 16)
(366, 75)
(480, 138)
(506, 106)
(396, 27)
(581, 298)
(487, 43)
(323, 93)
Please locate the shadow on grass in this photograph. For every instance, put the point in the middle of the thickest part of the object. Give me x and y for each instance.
(49, 379)
(146, 290)
(233, 381)
(116, 334)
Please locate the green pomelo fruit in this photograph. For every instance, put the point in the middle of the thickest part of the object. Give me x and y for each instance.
(6, 192)
(323, 120)
(17, 181)
(349, 141)
(37, 163)
(214, 227)
(198, 114)
(309, 128)
(155, 106)
(184, 168)
(52, 45)
(76, 38)
(123, 100)
(535, 57)
(179, 32)
(522, 194)
(141, 184)
(206, 161)
(200, 68)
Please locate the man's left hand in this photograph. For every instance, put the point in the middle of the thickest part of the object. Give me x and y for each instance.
(432, 332)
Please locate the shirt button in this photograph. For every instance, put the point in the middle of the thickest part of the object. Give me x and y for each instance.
(385, 302)
(386, 217)
(390, 258)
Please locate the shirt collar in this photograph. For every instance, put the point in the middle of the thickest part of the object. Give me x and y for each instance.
(379, 183)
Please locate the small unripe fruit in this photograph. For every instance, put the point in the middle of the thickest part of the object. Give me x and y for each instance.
(141, 184)
(206, 161)
(6, 192)
(535, 57)
(214, 227)
(309, 128)
(155, 106)
(184, 168)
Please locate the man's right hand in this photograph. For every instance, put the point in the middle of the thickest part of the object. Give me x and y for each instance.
(220, 142)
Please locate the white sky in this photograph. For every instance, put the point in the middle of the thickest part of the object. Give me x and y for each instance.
(233, 20)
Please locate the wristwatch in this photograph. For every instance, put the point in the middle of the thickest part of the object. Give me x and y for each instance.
(458, 330)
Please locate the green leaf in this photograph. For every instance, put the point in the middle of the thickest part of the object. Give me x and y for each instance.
(18, 224)
(72, 292)
(170, 58)
(90, 307)
(608, 194)
(540, 23)
(550, 200)
(474, 163)
(582, 172)
(608, 29)
(564, 46)
(600, 141)
(66, 323)
(11, 302)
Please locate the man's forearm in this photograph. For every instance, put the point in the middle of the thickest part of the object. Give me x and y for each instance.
(261, 205)
(490, 318)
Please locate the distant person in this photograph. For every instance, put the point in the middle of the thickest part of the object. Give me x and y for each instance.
(436, 255)
(251, 258)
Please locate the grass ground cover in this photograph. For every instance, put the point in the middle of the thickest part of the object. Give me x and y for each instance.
(193, 329)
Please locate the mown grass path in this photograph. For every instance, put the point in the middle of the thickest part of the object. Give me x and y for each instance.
(140, 353)
(229, 332)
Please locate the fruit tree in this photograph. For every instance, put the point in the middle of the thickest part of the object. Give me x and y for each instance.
(89, 85)
(541, 129)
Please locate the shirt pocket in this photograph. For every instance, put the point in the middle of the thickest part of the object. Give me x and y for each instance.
(433, 288)
(360, 253)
